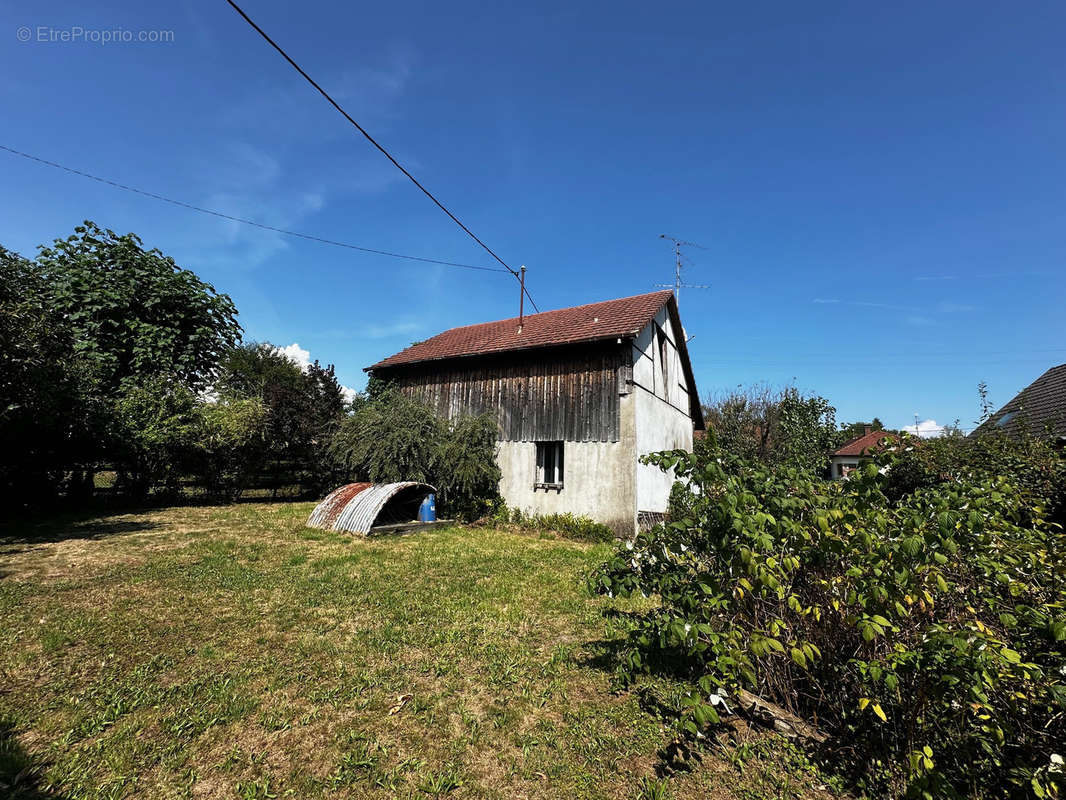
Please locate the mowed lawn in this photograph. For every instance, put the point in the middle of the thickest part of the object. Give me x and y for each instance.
(225, 652)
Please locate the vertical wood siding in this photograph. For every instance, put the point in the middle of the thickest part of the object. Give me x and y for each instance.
(560, 394)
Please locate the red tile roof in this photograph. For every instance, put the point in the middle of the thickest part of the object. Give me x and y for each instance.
(865, 444)
(607, 320)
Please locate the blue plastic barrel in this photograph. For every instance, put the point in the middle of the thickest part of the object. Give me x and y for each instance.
(427, 512)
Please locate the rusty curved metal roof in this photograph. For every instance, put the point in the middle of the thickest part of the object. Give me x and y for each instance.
(355, 507)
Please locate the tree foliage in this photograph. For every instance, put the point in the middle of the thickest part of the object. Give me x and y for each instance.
(774, 426)
(303, 409)
(1035, 465)
(395, 438)
(45, 408)
(134, 313)
(152, 431)
(231, 444)
(927, 633)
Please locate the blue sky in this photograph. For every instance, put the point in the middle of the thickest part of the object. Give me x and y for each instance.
(879, 190)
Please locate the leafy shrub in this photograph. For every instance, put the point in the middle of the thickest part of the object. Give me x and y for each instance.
(152, 429)
(392, 438)
(569, 526)
(773, 426)
(928, 636)
(231, 444)
(468, 477)
(395, 438)
(1034, 465)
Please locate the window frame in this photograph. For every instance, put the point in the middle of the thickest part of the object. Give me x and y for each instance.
(549, 462)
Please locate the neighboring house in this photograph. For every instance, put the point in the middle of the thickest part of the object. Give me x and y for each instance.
(856, 451)
(580, 394)
(1038, 410)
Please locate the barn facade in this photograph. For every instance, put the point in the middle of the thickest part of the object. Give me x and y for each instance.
(579, 394)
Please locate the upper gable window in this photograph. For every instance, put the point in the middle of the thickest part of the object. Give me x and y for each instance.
(664, 358)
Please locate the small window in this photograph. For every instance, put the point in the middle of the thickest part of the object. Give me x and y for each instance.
(664, 358)
(549, 465)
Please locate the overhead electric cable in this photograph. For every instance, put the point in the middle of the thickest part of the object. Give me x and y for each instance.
(232, 218)
(374, 142)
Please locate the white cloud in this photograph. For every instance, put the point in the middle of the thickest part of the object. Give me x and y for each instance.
(927, 429)
(302, 359)
(296, 354)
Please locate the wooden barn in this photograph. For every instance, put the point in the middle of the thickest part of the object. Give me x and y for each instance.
(580, 394)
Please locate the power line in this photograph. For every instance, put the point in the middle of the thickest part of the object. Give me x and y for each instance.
(232, 218)
(374, 142)
(844, 366)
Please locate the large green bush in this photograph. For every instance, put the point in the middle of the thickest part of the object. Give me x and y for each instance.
(231, 444)
(926, 635)
(396, 438)
(152, 428)
(774, 426)
(1035, 465)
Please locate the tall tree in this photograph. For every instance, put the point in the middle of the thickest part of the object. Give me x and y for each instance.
(134, 313)
(303, 408)
(851, 430)
(43, 413)
(774, 426)
(808, 430)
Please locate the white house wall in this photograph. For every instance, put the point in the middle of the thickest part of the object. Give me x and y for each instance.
(598, 477)
(662, 418)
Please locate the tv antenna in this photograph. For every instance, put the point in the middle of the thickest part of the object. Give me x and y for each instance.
(678, 284)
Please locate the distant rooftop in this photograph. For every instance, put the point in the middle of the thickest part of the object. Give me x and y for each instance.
(1038, 410)
(866, 444)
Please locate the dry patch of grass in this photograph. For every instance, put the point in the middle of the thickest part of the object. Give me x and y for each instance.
(226, 652)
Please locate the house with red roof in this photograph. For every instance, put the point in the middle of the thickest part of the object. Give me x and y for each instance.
(857, 450)
(580, 394)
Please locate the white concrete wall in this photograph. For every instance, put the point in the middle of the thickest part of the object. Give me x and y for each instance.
(599, 478)
(662, 418)
(603, 480)
(848, 463)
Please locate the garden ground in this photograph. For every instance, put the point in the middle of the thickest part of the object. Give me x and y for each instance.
(231, 652)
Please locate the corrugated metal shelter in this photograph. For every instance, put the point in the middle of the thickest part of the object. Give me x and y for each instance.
(360, 507)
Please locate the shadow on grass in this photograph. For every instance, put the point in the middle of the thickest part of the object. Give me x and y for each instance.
(20, 774)
(69, 526)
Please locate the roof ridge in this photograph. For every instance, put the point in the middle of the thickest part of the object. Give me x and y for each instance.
(603, 319)
(880, 433)
(553, 311)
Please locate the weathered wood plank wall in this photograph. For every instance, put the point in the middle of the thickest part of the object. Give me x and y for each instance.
(569, 394)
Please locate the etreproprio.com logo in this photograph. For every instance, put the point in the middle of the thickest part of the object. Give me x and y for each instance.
(76, 34)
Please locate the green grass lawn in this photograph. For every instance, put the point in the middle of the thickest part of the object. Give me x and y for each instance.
(231, 652)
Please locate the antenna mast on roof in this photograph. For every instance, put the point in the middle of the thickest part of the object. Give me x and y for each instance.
(522, 300)
(678, 285)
